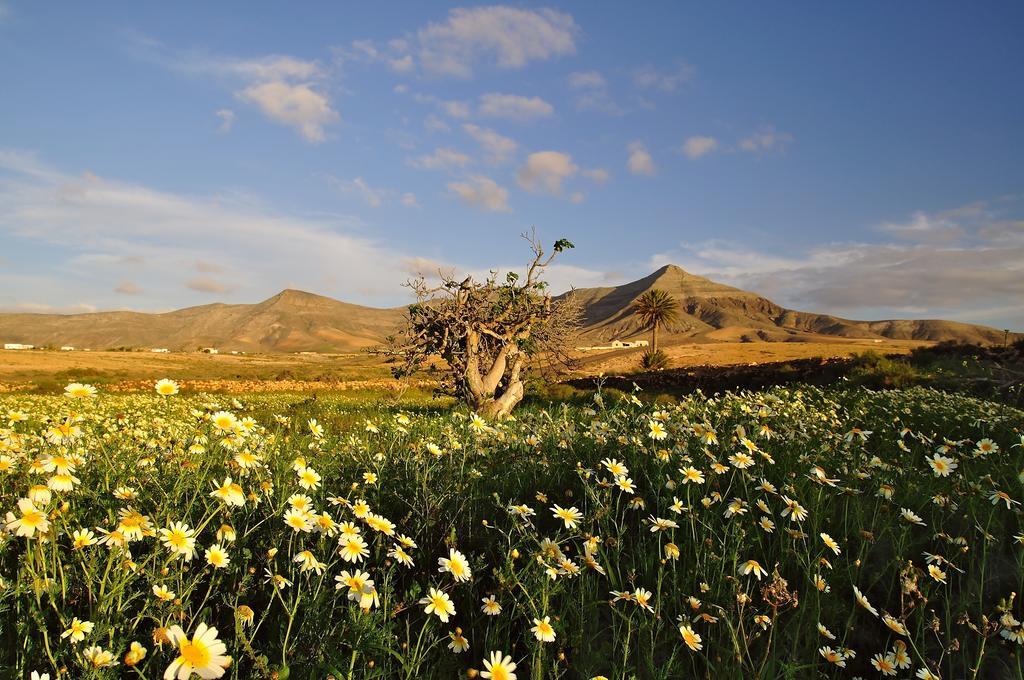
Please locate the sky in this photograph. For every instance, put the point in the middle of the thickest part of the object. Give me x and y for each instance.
(858, 159)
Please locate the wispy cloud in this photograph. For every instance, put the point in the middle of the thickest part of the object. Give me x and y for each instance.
(959, 264)
(545, 172)
(639, 161)
(591, 92)
(497, 148)
(513, 107)
(288, 90)
(481, 192)
(666, 79)
(241, 246)
(764, 140)
(442, 158)
(508, 37)
(695, 147)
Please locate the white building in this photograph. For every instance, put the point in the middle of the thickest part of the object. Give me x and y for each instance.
(67, 348)
(160, 350)
(210, 350)
(17, 345)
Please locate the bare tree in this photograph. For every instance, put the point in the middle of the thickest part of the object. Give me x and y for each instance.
(489, 332)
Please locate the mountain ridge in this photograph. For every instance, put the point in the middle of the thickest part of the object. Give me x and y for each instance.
(295, 320)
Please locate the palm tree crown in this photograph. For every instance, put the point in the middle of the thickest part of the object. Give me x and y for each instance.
(656, 308)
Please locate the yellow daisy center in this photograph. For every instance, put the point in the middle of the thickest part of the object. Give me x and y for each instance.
(196, 653)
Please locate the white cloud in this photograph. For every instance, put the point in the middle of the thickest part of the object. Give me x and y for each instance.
(666, 80)
(545, 171)
(259, 250)
(127, 288)
(598, 175)
(482, 192)
(640, 161)
(435, 124)
(227, 120)
(591, 90)
(453, 108)
(408, 199)
(695, 147)
(441, 159)
(297, 106)
(923, 226)
(456, 109)
(373, 197)
(586, 79)
(208, 267)
(971, 273)
(764, 140)
(402, 64)
(507, 36)
(206, 284)
(43, 308)
(577, 197)
(288, 90)
(513, 107)
(497, 148)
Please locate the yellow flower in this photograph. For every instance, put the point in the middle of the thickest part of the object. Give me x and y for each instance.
(79, 391)
(166, 387)
(499, 667)
(571, 516)
(691, 637)
(203, 654)
(217, 557)
(32, 520)
(456, 564)
(78, 630)
(542, 630)
(438, 603)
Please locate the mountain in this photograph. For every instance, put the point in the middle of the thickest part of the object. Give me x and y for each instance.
(291, 321)
(714, 311)
(294, 321)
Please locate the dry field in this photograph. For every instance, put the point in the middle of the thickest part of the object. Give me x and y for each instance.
(687, 354)
(126, 371)
(53, 369)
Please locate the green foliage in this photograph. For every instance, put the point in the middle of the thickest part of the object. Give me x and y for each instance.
(855, 459)
(654, 360)
(875, 370)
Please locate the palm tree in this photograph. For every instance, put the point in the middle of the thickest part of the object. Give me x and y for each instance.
(656, 308)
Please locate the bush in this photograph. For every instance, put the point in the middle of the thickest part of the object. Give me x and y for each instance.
(875, 370)
(654, 360)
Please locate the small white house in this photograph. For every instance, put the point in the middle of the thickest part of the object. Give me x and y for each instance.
(210, 350)
(67, 348)
(160, 350)
(17, 345)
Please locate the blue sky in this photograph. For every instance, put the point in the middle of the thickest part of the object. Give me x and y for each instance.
(857, 159)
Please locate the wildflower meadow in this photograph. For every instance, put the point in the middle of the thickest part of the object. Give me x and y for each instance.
(793, 533)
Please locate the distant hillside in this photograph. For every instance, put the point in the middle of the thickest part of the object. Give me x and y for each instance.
(291, 321)
(294, 321)
(714, 311)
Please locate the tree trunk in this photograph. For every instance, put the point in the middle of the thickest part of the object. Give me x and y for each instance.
(494, 406)
(654, 338)
(503, 405)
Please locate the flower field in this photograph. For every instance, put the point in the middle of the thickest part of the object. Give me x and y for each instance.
(793, 533)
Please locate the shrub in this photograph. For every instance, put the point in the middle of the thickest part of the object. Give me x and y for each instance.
(654, 360)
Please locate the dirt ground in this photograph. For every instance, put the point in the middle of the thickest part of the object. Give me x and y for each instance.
(49, 370)
(685, 355)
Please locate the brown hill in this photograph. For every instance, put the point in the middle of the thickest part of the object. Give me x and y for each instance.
(291, 321)
(714, 311)
(294, 321)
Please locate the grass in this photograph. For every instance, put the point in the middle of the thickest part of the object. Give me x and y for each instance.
(649, 554)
